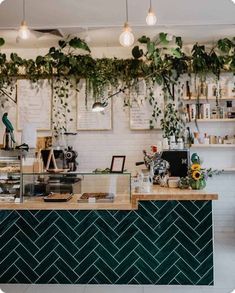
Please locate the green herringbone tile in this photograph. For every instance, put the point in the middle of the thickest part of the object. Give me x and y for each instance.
(163, 242)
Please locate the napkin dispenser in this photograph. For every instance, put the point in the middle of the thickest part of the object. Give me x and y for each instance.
(178, 160)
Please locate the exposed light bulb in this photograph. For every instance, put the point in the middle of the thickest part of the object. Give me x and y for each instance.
(0, 4)
(151, 18)
(24, 32)
(126, 38)
(97, 107)
(233, 1)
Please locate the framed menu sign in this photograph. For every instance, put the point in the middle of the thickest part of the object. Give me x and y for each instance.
(141, 113)
(89, 120)
(34, 104)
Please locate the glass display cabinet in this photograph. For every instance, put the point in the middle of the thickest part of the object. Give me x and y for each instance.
(10, 168)
(81, 188)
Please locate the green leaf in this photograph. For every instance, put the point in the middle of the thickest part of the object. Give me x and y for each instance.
(179, 42)
(62, 44)
(2, 42)
(176, 53)
(163, 38)
(150, 47)
(225, 45)
(77, 43)
(144, 40)
(137, 52)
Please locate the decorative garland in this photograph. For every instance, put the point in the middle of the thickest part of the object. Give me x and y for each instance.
(161, 61)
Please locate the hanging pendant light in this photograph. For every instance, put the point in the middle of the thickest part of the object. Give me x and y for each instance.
(126, 38)
(24, 32)
(151, 17)
(1, 1)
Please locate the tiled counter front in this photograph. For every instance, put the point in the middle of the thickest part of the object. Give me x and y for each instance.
(163, 242)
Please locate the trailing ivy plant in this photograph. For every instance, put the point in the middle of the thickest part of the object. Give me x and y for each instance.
(159, 61)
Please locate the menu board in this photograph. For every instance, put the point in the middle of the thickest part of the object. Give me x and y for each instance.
(34, 104)
(141, 112)
(89, 120)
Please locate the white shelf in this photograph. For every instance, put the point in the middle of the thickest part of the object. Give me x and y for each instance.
(208, 99)
(215, 120)
(213, 146)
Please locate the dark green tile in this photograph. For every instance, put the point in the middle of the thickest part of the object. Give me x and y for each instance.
(106, 229)
(187, 229)
(29, 218)
(142, 279)
(183, 213)
(7, 220)
(8, 248)
(147, 217)
(205, 251)
(108, 218)
(86, 249)
(102, 279)
(146, 270)
(85, 223)
(88, 234)
(46, 263)
(207, 278)
(191, 260)
(167, 263)
(126, 236)
(47, 275)
(66, 229)
(126, 249)
(146, 243)
(8, 235)
(148, 258)
(88, 276)
(205, 210)
(109, 245)
(106, 256)
(61, 278)
(204, 224)
(183, 280)
(204, 238)
(68, 218)
(106, 270)
(125, 264)
(66, 270)
(26, 270)
(65, 241)
(9, 274)
(168, 276)
(9, 259)
(187, 271)
(21, 278)
(166, 250)
(28, 231)
(66, 256)
(191, 247)
(146, 229)
(205, 266)
(45, 223)
(128, 275)
(26, 242)
(166, 210)
(167, 234)
(27, 256)
(46, 236)
(124, 224)
(87, 261)
(46, 249)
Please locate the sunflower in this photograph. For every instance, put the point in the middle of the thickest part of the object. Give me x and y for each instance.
(196, 175)
(195, 167)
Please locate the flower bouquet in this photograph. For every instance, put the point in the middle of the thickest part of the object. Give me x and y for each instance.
(197, 175)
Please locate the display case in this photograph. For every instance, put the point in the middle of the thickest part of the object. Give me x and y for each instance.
(10, 168)
(76, 188)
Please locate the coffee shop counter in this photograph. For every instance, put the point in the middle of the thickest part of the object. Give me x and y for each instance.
(163, 237)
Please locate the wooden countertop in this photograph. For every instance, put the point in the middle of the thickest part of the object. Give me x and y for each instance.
(121, 202)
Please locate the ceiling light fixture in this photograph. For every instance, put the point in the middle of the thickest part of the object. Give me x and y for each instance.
(24, 32)
(151, 17)
(126, 38)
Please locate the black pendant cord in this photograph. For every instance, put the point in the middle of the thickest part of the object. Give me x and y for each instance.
(127, 19)
(9, 97)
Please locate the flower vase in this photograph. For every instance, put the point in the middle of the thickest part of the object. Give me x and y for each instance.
(198, 184)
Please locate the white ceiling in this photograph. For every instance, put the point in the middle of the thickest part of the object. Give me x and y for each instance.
(102, 20)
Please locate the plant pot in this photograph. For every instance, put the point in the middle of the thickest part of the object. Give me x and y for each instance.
(198, 184)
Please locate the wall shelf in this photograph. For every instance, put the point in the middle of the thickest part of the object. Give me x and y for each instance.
(213, 146)
(193, 99)
(215, 120)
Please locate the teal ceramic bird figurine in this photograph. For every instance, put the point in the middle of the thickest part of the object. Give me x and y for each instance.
(9, 127)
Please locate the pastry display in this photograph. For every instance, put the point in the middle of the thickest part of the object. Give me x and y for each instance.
(98, 196)
(58, 197)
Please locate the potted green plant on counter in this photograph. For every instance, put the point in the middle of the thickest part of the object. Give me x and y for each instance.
(197, 176)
